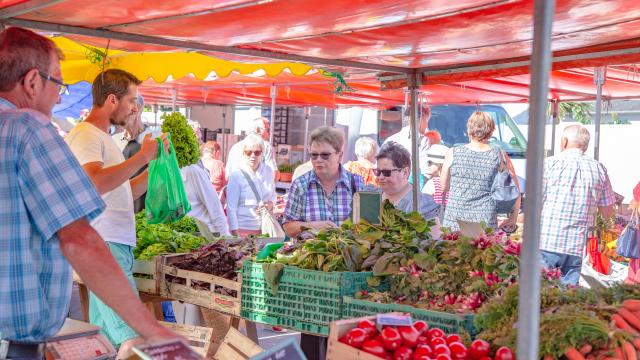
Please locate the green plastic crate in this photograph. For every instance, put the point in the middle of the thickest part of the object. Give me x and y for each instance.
(307, 300)
(449, 323)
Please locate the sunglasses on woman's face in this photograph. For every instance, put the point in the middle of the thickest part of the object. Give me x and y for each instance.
(255, 152)
(385, 172)
(324, 156)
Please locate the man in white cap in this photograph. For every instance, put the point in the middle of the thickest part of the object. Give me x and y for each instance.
(435, 159)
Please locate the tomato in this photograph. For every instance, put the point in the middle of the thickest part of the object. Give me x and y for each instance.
(441, 349)
(504, 353)
(421, 326)
(453, 338)
(403, 353)
(458, 350)
(421, 357)
(438, 341)
(443, 357)
(479, 348)
(423, 350)
(391, 338)
(374, 347)
(422, 340)
(435, 333)
(356, 337)
(409, 336)
(368, 326)
(486, 358)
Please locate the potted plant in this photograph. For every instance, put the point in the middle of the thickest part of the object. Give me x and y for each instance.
(286, 172)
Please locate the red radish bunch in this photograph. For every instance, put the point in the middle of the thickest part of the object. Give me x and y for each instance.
(418, 342)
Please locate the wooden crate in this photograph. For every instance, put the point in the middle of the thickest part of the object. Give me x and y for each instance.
(339, 351)
(199, 338)
(142, 270)
(145, 273)
(209, 299)
(236, 346)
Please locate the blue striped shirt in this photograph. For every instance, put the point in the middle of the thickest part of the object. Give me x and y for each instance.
(43, 188)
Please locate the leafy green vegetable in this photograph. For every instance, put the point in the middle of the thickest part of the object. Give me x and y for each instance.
(157, 239)
(183, 138)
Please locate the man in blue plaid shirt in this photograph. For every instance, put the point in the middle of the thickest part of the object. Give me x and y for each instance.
(47, 203)
(575, 188)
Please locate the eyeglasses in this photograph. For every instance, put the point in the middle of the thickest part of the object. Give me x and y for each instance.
(255, 153)
(385, 172)
(324, 156)
(63, 87)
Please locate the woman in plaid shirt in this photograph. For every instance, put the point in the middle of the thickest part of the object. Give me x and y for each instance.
(322, 197)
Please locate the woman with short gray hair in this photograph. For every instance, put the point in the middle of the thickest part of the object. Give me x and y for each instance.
(366, 149)
(250, 187)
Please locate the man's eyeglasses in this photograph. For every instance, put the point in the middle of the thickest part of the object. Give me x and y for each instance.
(385, 172)
(63, 87)
(256, 152)
(324, 156)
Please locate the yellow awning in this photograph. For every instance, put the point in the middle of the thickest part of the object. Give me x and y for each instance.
(84, 62)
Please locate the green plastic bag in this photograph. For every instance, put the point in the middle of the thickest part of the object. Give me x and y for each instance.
(166, 199)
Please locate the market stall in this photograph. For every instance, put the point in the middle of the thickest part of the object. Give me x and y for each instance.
(419, 42)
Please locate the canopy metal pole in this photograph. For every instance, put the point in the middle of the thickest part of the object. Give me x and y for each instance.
(155, 116)
(174, 99)
(224, 133)
(599, 74)
(274, 93)
(414, 80)
(325, 116)
(529, 292)
(307, 110)
(555, 107)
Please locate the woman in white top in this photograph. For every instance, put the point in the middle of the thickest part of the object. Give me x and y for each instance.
(243, 199)
(204, 201)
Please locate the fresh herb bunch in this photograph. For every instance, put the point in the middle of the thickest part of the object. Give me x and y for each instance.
(183, 138)
(363, 246)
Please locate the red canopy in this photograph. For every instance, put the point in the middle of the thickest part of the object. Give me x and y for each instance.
(485, 42)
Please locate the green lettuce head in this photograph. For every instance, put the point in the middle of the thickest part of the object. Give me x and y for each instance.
(183, 138)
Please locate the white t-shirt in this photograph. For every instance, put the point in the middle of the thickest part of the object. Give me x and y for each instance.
(90, 144)
(241, 200)
(205, 205)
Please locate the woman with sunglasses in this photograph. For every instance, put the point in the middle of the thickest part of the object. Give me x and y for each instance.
(321, 198)
(394, 166)
(250, 187)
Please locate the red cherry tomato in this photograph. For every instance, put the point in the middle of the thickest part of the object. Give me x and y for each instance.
(422, 340)
(368, 326)
(437, 341)
(374, 347)
(403, 353)
(441, 349)
(443, 357)
(423, 350)
(453, 338)
(421, 326)
(458, 350)
(391, 338)
(409, 336)
(479, 348)
(504, 353)
(435, 333)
